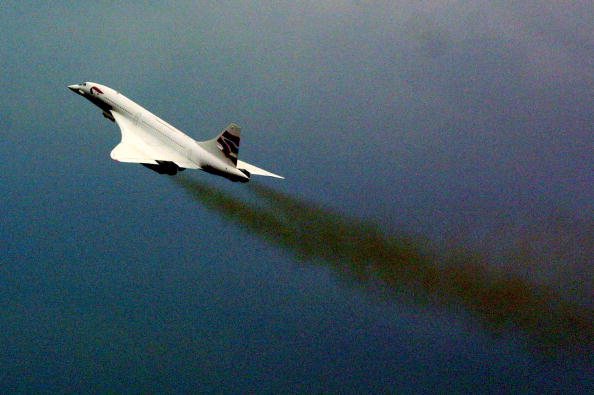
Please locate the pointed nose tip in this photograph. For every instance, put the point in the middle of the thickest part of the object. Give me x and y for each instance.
(73, 88)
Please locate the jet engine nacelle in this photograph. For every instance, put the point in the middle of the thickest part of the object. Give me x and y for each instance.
(163, 167)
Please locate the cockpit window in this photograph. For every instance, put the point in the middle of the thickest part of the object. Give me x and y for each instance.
(83, 84)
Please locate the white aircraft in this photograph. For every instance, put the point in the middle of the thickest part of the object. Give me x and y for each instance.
(152, 142)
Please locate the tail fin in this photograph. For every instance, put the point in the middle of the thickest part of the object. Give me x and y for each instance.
(227, 143)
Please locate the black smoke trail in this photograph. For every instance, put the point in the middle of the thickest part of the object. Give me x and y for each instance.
(359, 250)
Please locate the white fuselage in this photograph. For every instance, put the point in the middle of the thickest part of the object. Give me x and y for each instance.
(155, 131)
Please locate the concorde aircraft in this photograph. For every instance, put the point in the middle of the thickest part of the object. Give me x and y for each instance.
(152, 142)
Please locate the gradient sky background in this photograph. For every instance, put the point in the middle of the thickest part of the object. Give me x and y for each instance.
(467, 124)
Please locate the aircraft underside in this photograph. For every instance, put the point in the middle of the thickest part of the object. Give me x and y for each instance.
(228, 176)
(171, 169)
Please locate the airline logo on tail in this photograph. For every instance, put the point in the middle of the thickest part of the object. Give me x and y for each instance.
(229, 144)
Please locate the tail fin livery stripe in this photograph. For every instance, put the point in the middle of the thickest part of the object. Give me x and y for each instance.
(229, 144)
(226, 145)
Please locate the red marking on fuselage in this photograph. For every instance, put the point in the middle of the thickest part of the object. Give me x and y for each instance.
(94, 88)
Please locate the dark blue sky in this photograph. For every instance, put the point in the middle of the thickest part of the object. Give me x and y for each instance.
(466, 124)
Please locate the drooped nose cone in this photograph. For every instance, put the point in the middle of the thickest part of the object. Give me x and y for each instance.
(73, 88)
